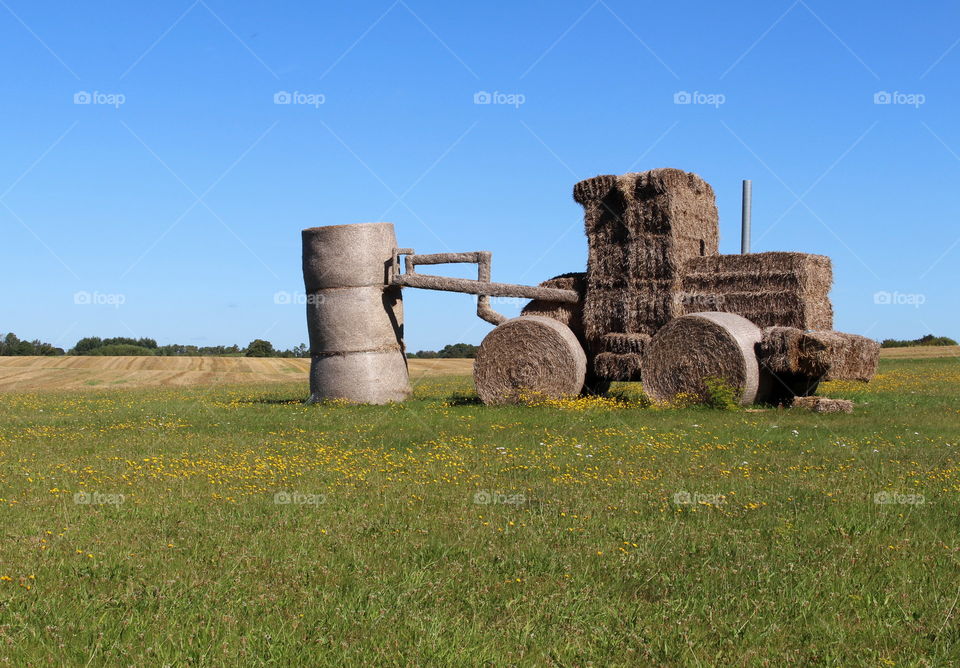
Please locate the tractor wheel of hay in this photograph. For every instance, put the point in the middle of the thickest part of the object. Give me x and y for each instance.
(689, 350)
(530, 356)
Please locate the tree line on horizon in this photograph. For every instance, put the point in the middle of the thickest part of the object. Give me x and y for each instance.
(11, 345)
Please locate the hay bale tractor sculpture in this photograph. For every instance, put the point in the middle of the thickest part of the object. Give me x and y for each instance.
(657, 304)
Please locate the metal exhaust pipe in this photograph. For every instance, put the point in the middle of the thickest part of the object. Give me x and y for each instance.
(745, 216)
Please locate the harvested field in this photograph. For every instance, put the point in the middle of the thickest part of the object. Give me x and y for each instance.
(27, 374)
(920, 352)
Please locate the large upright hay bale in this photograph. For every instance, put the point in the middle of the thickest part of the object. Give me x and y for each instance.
(694, 348)
(531, 356)
(641, 229)
(769, 289)
(355, 320)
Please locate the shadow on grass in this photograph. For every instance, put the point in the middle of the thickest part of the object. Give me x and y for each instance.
(463, 399)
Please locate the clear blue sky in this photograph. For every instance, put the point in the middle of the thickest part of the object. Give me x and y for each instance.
(186, 201)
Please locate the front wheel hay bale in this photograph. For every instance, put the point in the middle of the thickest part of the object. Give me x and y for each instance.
(530, 356)
(689, 350)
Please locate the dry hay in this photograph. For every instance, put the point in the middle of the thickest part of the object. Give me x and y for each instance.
(641, 229)
(623, 344)
(852, 357)
(347, 256)
(823, 404)
(570, 315)
(819, 355)
(621, 356)
(374, 377)
(529, 356)
(694, 348)
(354, 319)
(624, 367)
(770, 289)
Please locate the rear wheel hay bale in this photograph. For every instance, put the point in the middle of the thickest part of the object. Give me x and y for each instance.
(691, 349)
(530, 355)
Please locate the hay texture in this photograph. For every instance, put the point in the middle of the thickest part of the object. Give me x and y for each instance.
(621, 356)
(769, 289)
(641, 229)
(373, 377)
(823, 404)
(819, 355)
(624, 367)
(347, 256)
(570, 315)
(694, 348)
(529, 356)
(354, 319)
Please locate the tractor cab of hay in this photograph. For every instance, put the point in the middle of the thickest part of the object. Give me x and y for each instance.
(658, 304)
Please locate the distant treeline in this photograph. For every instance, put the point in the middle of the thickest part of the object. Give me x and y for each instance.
(928, 340)
(127, 346)
(458, 350)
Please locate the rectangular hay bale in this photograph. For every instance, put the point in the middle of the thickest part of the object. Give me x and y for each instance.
(623, 367)
(823, 404)
(770, 289)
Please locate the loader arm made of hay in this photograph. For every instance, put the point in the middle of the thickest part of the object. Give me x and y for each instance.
(483, 287)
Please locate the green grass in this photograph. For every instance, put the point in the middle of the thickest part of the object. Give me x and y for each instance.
(585, 560)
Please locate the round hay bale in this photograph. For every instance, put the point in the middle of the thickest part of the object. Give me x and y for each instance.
(346, 320)
(690, 349)
(373, 377)
(530, 355)
(347, 256)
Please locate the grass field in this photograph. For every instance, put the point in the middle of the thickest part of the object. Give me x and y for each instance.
(230, 524)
